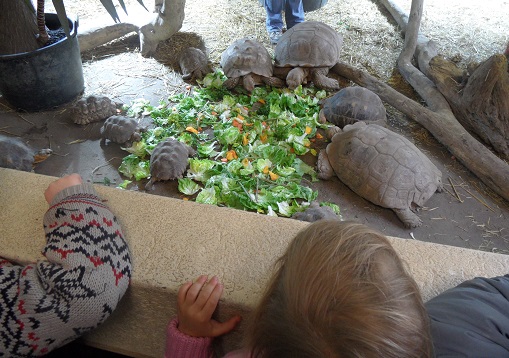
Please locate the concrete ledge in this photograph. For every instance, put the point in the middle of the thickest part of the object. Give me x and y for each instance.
(172, 241)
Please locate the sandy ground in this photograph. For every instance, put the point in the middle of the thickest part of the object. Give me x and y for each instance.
(471, 217)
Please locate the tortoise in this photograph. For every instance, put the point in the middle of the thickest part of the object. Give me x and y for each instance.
(93, 109)
(315, 212)
(168, 161)
(248, 61)
(194, 64)
(382, 167)
(307, 52)
(353, 104)
(121, 130)
(18, 155)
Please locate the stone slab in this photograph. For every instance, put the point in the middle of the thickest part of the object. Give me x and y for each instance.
(173, 241)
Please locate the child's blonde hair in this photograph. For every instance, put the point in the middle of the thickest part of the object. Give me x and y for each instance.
(340, 290)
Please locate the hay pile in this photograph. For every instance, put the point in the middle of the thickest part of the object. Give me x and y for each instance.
(463, 29)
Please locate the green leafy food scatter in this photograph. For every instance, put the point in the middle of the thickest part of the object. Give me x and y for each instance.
(247, 145)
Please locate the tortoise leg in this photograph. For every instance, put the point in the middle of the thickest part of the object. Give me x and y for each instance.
(409, 218)
(150, 184)
(273, 81)
(320, 79)
(325, 170)
(231, 83)
(248, 82)
(296, 77)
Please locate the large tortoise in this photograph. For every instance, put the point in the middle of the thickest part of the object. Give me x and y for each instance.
(353, 104)
(307, 52)
(248, 61)
(168, 161)
(382, 167)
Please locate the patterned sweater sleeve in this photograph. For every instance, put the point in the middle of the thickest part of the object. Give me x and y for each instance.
(46, 305)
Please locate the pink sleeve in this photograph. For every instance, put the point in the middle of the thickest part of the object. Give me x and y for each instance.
(180, 345)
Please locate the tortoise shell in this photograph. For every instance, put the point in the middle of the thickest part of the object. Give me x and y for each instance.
(16, 154)
(93, 109)
(382, 167)
(168, 161)
(309, 44)
(120, 129)
(353, 104)
(246, 56)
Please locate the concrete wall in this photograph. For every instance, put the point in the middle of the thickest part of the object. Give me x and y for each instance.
(173, 241)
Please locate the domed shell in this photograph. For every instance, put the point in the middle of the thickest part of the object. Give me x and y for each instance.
(246, 56)
(16, 154)
(168, 161)
(93, 109)
(120, 129)
(309, 44)
(383, 166)
(353, 104)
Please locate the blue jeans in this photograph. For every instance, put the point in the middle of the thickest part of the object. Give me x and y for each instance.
(294, 13)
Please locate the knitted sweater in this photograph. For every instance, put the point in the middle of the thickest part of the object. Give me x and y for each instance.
(50, 303)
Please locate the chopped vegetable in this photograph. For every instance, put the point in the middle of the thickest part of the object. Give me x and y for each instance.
(251, 162)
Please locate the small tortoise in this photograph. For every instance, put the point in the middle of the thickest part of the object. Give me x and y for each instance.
(248, 60)
(17, 155)
(93, 109)
(353, 104)
(168, 161)
(382, 167)
(121, 130)
(307, 52)
(194, 64)
(315, 212)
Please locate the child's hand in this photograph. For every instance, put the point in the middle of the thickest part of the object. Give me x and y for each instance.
(196, 303)
(60, 184)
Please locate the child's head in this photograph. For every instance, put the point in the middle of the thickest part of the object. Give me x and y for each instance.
(340, 290)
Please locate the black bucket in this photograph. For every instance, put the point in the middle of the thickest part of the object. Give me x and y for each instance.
(44, 78)
(309, 5)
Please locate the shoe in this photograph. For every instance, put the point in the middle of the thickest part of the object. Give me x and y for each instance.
(274, 36)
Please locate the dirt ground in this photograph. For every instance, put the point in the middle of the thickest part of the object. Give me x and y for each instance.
(466, 214)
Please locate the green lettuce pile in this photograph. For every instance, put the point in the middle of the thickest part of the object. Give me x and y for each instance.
(247, 145)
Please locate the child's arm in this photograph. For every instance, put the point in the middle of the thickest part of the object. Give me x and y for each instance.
(45, 305)
(191, 333)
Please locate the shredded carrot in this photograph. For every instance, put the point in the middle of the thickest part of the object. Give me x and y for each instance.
(185, 199)
(273, 176)
(231, 154)
(245, 139)
(263, 137)
(308, 129)
(240, 118)
(319, 136)
(265, 170)
(261, 100)
(192, 130)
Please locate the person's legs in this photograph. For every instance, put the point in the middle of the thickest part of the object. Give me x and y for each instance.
(294, 12)
(274, 10)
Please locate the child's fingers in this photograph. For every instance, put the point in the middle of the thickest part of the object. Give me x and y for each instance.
(209, 306)
(206, 292)
(195, 288)
(222, 328)
(181, 295)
